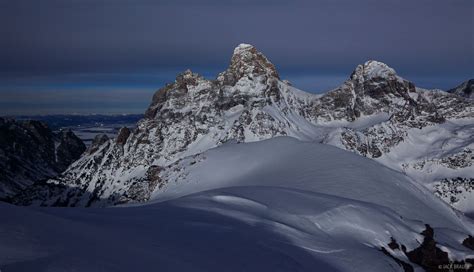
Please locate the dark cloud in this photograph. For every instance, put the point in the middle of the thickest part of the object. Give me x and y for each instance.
(55, 41)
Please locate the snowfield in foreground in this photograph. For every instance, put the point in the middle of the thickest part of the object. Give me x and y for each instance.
(274, 205)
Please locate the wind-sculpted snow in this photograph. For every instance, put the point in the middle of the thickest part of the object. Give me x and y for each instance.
(375, 113)
(287, 162)
(295, 208)
(230, 229)
(274, 205)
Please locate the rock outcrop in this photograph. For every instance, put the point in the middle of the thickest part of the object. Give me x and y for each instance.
(30, 152)
(466, 89)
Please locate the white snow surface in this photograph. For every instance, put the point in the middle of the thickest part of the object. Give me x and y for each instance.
(272, 205)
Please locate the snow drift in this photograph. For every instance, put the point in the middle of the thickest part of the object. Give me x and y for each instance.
(274, 205)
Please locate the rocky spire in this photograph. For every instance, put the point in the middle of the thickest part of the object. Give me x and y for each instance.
(178, 88)
(247, 61)
(123, 135)
(187, 78)
(379, 81)
(98, 141)
(69, 148)
(373, 69)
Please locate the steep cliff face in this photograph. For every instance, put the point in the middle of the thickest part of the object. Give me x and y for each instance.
(375, 113)
(466, 89)
(30, 151)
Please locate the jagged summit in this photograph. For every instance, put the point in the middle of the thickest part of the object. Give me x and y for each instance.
(466, 89)
(179, 88)
(97, 142)
(373, 69)
(380, 82)
(247, 61)
(187, 77)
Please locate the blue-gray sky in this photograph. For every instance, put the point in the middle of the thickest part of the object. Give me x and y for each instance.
(109, 56)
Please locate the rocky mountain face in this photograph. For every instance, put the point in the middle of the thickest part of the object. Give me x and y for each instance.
(30, 152)
(427, 134)
(247, 102)
(375, 113)
(466, 89)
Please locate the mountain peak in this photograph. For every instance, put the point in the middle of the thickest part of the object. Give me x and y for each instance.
(466, 89)
(247, 61)
(187, 77)
(373, 69)
(243, 47)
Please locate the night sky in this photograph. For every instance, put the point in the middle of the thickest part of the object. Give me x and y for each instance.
(109, 56)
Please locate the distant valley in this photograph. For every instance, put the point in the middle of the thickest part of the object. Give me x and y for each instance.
(86, 127)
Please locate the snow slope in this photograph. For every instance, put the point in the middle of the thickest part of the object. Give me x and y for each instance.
(287, 162)
(273, 205)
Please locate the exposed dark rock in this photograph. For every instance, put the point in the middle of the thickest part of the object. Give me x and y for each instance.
(158, 98)
(30, 151)
(428, 255)
(452, 189)
(247, 61)
(406, 266)
(431, 257)
(428, 232)
(393, 244)
(141, 189)
(69, 149)
(98, 141)
(469, 242)
(466, 89)
(123, 135)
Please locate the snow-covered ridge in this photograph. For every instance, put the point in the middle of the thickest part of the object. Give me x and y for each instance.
(273, 205)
